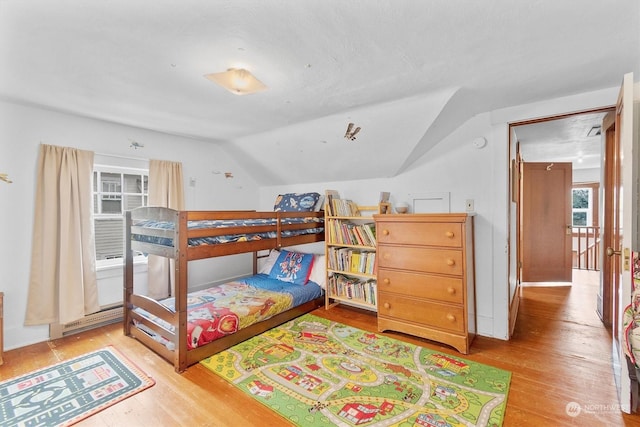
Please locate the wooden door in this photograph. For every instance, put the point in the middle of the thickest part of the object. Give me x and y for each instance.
(624, 226)
(610, 233)
(546, 238)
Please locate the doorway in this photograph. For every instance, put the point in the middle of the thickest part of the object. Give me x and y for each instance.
(575, 139)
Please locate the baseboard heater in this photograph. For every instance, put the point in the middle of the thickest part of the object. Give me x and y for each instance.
(95, 320)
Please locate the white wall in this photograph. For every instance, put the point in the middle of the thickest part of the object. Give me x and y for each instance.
(457, 167)
(23, 128)
(586, 175)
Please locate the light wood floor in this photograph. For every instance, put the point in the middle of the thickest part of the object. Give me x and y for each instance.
(560, 353)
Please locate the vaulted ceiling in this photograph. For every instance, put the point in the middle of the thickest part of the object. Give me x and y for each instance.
(407, 72)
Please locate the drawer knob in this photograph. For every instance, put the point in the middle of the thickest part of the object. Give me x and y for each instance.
(451, 262)
(450, 234)
(451, 317)
(386, 255)
(387, 305)
(385, 232)
(451, 290)
(386, 281)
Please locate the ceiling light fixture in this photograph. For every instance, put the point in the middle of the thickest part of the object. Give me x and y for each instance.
(238, 81)
(351, 133)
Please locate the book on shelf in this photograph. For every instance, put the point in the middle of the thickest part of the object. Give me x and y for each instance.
(355, 262)
(347, 233)
(345, 207)
(353, 289)
(370, 231)
(336, 206)
(329, 196)
(352, 260)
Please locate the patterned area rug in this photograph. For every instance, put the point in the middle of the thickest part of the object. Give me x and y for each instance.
(315, 372)
(65, 393)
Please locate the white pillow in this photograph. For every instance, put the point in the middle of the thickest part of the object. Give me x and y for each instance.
(268, 262)
(319, 271)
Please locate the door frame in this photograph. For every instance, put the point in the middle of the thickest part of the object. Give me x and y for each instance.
(514, 206)
(627, 131)
(610, 175)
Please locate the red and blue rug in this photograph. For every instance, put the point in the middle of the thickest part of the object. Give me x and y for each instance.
(70, 391)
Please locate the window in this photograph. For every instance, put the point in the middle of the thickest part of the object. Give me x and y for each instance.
(115, 190)
(582, 206)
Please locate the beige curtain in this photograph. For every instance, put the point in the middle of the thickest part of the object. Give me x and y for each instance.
(166, 190)
(63, 285)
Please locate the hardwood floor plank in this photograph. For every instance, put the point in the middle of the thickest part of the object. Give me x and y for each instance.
(560, 353)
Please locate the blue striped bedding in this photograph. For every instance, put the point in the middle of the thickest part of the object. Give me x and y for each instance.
(211, 240)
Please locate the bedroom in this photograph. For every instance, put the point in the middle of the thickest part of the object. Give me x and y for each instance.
(451, 164)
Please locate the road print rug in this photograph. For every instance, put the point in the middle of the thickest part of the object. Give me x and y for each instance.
(70, 391)
(316, 372)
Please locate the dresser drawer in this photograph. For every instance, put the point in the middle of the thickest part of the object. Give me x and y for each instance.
(420, 285)
(443, 316)
(420, 233)
(429, 260)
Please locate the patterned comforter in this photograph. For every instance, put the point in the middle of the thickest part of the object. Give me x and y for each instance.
(224, 309)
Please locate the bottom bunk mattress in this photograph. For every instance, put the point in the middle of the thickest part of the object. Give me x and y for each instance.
(224, 309)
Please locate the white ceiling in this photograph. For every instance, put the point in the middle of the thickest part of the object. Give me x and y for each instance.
(570, 139)
(407, 72)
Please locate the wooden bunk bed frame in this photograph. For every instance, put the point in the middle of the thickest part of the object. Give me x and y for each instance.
(182, 253)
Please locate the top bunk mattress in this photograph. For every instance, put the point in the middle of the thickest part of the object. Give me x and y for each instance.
(226, 223)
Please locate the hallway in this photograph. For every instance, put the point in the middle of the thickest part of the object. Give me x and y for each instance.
(569, 347)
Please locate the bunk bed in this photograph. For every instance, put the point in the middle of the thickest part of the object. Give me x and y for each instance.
(184, 236)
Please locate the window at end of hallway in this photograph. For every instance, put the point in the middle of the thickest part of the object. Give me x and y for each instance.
(582, 207)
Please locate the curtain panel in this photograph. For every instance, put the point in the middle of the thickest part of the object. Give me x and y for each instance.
(62, 284)
(165, 190)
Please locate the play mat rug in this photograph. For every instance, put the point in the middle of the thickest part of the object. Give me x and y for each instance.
(315, 372)
(65, 393)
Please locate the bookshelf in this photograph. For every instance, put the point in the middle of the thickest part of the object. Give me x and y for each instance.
(350, 249)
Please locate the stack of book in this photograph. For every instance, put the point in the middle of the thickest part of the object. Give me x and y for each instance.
(351, 260)
(346, 233)
(351, 288)
(335, 206)
(345, 207)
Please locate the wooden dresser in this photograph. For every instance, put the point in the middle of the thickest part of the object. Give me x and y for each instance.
(426, 278)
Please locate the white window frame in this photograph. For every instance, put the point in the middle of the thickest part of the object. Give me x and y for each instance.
(588, 210)
(100, 194)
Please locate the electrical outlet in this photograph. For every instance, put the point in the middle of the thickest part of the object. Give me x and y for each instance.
(469, 205)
